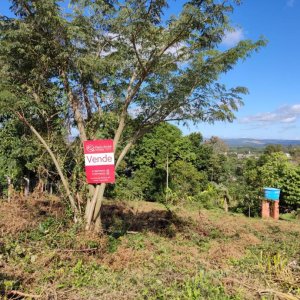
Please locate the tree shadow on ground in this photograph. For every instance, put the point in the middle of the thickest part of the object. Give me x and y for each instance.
(117, 219)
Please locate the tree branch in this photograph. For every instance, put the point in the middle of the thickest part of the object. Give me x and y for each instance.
(137, 54)
(54, 159)
(21, 294)
(75, 107)
(86, 101)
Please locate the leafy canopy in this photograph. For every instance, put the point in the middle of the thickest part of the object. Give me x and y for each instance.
(128, 55)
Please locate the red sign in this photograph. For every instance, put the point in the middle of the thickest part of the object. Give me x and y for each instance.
(99, 161)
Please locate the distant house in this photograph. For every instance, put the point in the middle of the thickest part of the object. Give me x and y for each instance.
(242, 156)
(288, 155)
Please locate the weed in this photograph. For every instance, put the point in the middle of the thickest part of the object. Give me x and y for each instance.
(288, 216)
(202, 242)
(7, 284)
(82, 274)
(159, 266)
(271, 265)
(113, 243)
(215, 233)
(204, 286)
(136, 241)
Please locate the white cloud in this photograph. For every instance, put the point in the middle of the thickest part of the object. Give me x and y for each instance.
(287, 114)
(289, 119)
(231, 38)
(290, 3)
(176, 49)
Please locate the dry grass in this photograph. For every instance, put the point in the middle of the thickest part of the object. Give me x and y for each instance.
(147, 251)
(22, 214)
(16, 217)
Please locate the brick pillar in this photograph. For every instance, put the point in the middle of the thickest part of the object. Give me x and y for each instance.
(275, 210)
(265, 209)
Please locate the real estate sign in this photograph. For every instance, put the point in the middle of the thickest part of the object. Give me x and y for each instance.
(99, 161)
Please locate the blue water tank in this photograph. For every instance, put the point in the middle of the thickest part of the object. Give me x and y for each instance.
(271, 193)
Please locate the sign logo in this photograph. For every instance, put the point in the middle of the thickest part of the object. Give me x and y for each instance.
(91, 148)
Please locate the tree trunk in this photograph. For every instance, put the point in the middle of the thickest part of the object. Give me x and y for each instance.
(93, 214)
(27, 186)
(95, 207)
(81, 126)
(91, 208)
(97, 103)
(10, 189)
(87, 101)
(225, 205)
(75, 107)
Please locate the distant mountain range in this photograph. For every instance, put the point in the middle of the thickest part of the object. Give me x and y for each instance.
(258, 143)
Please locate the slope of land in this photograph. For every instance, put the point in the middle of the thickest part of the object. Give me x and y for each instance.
(259, 143)
(147, 252)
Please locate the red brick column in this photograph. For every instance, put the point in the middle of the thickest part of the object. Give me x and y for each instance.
(275, 210)
(265, 209)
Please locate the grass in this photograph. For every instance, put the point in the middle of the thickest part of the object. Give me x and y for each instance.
(150, 253)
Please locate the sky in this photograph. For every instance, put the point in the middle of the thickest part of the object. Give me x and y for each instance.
(272, 108)
(272, 75)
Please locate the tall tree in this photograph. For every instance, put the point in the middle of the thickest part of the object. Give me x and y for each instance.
(160, 161)
(129, 61)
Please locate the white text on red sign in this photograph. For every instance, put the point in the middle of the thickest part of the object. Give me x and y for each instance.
(100, 159)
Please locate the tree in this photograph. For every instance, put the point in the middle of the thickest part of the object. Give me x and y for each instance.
(294, 151)
(273, 149)
(273, 171)
(165, 142)
(186, 181)
(290, 189)
(280, 173)
(211, 158)
(19, 153)
(218, 146)
(161, 160)
(125, 61)
(246, 189)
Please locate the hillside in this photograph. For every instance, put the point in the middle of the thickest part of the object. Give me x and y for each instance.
(146, 252)
(259, 143)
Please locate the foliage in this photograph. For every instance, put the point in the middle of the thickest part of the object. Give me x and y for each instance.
(204, 286)
(290, 188)
(273, 261)
(277, 171)
(147, 163)
(269, 149)
(114, 69)
(185, 179)
(273, 171)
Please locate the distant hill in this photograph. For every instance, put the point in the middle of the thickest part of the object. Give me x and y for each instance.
(258, 143)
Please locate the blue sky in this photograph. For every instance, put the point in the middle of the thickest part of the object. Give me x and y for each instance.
(272, 109)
